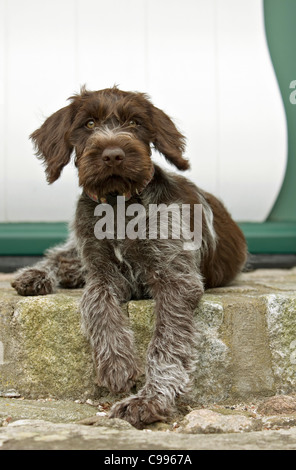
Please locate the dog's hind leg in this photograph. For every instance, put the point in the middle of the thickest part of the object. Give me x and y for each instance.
(60, 266)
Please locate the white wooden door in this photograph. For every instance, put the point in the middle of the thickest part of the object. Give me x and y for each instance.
(205, 62)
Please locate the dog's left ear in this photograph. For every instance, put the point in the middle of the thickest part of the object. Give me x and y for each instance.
(168, 140)
(52, 143)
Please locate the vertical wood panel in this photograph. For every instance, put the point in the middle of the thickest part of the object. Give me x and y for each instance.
(112, 44)
(2, 107)
(181, 39)
(41, 75)
(252, 124)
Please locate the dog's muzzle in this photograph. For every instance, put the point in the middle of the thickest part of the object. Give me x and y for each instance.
(112, 197)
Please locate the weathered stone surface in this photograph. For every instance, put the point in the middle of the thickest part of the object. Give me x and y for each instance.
(246, 347)
(45, 352)
(141, 315)
(206, 421)
(281, 323)
(55, 411)
(213, 354)
(60, 424)
(43, 435)
(246, 341)
(279, 422)
(104, 421)
(280, 404)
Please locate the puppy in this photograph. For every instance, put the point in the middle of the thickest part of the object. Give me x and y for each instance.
(110, 132)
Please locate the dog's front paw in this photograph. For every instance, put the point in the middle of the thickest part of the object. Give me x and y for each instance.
(118, 376)
(139, 411)
(33, 281)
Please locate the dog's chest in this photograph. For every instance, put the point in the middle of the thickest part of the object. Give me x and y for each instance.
(130, 263)
(126, 253)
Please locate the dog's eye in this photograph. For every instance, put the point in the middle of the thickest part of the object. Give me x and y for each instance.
(90, 124)
(133, 123)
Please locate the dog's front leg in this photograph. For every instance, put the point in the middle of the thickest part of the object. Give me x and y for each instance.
(170, 353)
(107, 329)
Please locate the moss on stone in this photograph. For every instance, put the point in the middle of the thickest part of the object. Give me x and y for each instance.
(56, 357)
(141, 315)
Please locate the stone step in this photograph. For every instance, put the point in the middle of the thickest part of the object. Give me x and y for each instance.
(245, 348)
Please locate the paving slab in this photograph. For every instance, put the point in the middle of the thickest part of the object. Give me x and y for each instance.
(49, 424)
(43, 435)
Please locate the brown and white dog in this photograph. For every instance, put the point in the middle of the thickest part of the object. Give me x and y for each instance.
(111, 132)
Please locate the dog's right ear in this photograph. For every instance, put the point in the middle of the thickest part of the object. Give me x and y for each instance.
(51, 141)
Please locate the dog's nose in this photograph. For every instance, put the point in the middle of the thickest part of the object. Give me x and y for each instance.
(113, 156)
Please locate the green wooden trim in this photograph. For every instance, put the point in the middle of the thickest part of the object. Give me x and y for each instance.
(270, 237)
(30, 238)
(34, 238)
(280, 16)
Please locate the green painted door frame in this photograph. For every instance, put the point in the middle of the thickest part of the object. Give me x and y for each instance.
(280, 17)
(278, 233)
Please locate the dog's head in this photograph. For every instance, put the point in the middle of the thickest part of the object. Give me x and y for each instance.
(111, 132)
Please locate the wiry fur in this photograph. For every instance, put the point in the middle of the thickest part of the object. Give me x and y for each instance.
(115, 271)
